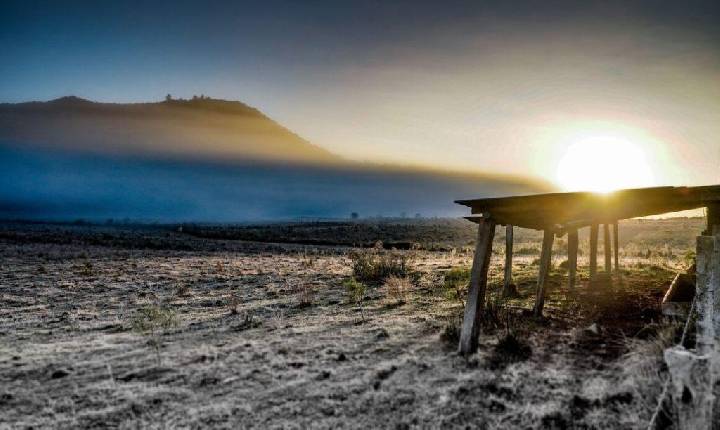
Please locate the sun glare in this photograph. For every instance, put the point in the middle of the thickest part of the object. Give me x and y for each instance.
(603, 164)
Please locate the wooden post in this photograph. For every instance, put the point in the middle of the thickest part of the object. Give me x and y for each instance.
(476, 291)
(508, 259)
(572, 242)
(616, 246)
(607, 246)
(713, 218)
(545, 256)
(593, 251)
(693, 374)
(707, 268)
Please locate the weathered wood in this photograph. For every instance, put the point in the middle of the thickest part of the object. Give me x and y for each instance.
(545, 258)
(616, 246)
(693, 374)
(508, 260)
(691, 387)
(607, 246)
(712, 217)
(593, 251)
(476, 291)
(707, 272)
(572, 243)
(562, 209)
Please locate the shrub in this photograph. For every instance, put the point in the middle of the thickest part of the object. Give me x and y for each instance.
(510, 349)
(355, 290)
(306, 294)
(356, 293)
(456, 282)
(451, 333)
(150, 320)
(233, 304)
(373, 267)
(527, 250)
(153, 318)
(397, 288)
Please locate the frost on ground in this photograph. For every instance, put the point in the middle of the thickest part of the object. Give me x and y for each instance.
(151, 328)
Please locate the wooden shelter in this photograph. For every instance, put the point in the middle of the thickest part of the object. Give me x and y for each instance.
(558, 214)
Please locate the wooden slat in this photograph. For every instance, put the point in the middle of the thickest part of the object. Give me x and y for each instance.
(547, 210)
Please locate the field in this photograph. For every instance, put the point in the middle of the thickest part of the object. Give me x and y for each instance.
(259, 327)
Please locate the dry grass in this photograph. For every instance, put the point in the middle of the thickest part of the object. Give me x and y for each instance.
(375, 266)
(243, 351)
(397, 289)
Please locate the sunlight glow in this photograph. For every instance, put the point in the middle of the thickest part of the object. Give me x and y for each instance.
(603, 164)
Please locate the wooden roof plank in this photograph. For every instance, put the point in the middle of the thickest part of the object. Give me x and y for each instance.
(546, 210)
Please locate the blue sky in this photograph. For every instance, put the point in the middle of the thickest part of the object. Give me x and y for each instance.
(464, 85)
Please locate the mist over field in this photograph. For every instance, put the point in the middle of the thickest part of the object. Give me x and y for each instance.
(205, 160)
(38, 183)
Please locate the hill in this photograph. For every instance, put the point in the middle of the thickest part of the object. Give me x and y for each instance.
(209, 128)
(203, 160)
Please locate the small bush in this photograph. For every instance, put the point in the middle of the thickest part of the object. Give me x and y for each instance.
(306, 295)
(153, 318)
(528, 250)
(456, 283)
(510, 349)
(397, 288)
(374, 267)
(150, 320)
(451, 332)
(182, 290)
(86, 269)
(356, 293)
(355, 290)
(233, 304)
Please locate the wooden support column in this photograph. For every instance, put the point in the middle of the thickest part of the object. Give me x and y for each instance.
(476, 291)
(608, 248)
(545, 256)
(616, 246)
(572, 243)
(712, 216)
(593, 251)
(508, 260)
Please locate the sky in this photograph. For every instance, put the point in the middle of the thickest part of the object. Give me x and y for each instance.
(535, 88)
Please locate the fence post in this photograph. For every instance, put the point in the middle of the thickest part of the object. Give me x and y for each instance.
(693, 373)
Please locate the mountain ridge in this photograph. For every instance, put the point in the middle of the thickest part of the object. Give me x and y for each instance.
(193, 127)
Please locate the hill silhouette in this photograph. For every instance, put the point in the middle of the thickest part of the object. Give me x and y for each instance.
(205, 127)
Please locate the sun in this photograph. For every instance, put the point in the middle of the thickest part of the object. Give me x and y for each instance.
(603, 164)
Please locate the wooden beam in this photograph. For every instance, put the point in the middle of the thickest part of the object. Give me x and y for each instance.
(593, 251)
(608, 248)
(543, 210)
(545, 257)
(572, 242)
(616, 246)
(476, 291)
(508, 259)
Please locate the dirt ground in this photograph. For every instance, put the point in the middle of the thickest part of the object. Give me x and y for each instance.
(264, 336)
